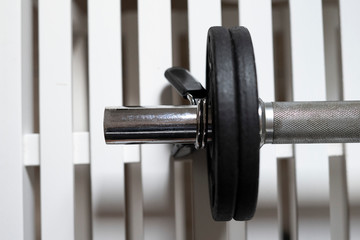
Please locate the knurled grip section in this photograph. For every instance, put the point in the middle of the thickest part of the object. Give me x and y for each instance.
(316, 122)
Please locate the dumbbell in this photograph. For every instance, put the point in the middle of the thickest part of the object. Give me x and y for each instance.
(231, 122)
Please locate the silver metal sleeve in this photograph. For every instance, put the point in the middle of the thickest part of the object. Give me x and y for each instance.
(167, 124)
(266, 120)
(316, 122)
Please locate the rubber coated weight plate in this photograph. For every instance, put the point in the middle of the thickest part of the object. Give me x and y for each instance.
(223, 154)
(247, 189)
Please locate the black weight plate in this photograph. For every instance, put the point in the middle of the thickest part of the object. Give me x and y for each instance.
(222, 152)
(247, 189)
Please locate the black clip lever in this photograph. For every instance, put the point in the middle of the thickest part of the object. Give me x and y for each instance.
(184, 83)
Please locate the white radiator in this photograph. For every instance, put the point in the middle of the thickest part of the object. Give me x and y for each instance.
(63, 61)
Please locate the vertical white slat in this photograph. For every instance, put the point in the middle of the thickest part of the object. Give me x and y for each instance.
(32, 228)
(350, 52)
(257, 17)
(56, 171)
(339, 214)
(183, 200)
(80, 111)
(281, 28)
(287, 199)
(350, 37)
(308, 66)
(155, 56)
(200, 20)
(105, 89)
(134, 213)
(80, 94)
(82, 201)
(133, 187)
(11, 162)
(182, 168)
(29, 73)
(30, 106)
(236, 230)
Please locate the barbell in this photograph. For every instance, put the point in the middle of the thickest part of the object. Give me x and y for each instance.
(231, 122)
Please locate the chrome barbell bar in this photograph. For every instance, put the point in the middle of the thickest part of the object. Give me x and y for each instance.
(280, 123)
